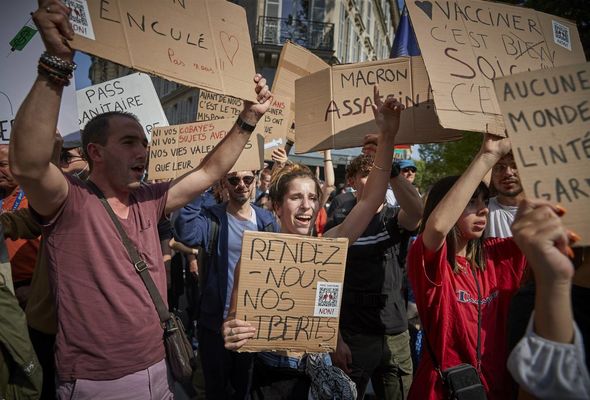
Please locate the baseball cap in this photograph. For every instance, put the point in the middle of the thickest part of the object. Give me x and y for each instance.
(406, 164)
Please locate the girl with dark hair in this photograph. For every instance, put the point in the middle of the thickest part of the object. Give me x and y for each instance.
(295, 193)
(463, 284)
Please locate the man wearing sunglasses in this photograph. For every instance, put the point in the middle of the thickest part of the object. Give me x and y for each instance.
(225, 371)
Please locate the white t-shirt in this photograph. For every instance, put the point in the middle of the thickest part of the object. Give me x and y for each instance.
(236, 228)
(500, 219)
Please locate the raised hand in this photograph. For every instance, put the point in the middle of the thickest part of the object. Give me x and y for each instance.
(253, 111)
(539, 232)
(279, 155)
(52, 20)
(495, 146)
(387, 113)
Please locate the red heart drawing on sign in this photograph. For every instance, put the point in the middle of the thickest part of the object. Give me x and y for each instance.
(230, 45)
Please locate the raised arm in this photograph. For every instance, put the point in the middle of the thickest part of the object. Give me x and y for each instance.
(33, 133)
(411, 206)
(217, 163)
(448, 211)
(387, 117)
(543, 239)
(329, 177)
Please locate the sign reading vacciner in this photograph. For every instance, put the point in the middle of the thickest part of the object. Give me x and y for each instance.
(547, 115)
(290, 289)
(132, 93)
(178, 149)
(466, 44)
(201, 43)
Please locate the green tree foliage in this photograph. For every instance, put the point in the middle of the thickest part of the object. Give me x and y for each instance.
(443, 159)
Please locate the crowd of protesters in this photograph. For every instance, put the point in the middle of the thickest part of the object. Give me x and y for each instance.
(489, 285)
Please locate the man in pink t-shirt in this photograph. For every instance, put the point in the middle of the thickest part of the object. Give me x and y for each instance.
(109, 340)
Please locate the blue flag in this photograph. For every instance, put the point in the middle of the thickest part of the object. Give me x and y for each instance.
(405, 43)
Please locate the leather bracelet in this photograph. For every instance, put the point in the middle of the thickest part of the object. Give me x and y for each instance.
(243, 125)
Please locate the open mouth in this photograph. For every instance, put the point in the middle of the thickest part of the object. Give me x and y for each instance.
(303, 218)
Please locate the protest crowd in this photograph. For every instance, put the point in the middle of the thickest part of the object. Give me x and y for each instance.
(118, 285)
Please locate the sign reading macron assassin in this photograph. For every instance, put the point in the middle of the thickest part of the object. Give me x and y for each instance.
(290, 289)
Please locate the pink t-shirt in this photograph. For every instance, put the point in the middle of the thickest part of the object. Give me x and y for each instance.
(108, 326)
(447, 305)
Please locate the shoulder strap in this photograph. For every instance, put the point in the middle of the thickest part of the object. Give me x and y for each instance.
(213, 236)
(139, 265)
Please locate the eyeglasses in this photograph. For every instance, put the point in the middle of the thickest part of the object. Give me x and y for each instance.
(68, 158)
(235, 180)
(408, 169)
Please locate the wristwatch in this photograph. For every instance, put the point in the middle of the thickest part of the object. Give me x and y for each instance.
(244, 125)
(395, 171)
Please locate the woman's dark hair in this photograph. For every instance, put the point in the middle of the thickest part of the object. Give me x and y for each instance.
(475, 250)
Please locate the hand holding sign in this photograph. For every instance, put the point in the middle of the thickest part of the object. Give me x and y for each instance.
(387, 114)
(495, 146)
(52, 21)
(254, 111)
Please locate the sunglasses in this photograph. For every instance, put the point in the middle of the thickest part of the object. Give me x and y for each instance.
(235, 180)
(67, 158)
(409, 169)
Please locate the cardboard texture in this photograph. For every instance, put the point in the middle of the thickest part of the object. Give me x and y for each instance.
(334, 105)
(21, 48)
(178, 149)
(133, 93)
(294, 62)
(201, 43)
(273, 126)
(290, 289)
(468, 43)
(547, 115)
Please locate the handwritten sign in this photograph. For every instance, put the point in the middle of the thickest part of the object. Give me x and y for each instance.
(201, 43)
(334, 106)
(132, 93)
(21, 48)
(466, 44)
(274, 126)
(290, 288)
(547, 115)
(178, 149)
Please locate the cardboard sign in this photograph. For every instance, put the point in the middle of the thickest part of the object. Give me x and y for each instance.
(547, 115)
(294, 62)
(274, 126)
(21, 49)
(290, 289)
(178, 149)
(334, 105)
(468, 43)
(201, 43)
(132, 93)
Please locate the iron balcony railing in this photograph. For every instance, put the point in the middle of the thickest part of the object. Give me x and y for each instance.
(310, 34)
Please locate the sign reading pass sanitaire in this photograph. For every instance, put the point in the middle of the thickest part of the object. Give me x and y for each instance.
(547, 115)
(290, 289)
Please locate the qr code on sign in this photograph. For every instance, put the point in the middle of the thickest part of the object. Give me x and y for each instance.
(561, 35)
(328, 296)
(327, 299)
(80, 18)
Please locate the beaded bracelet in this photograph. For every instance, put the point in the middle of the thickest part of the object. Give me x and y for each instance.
(59, 64)
(54, 77)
